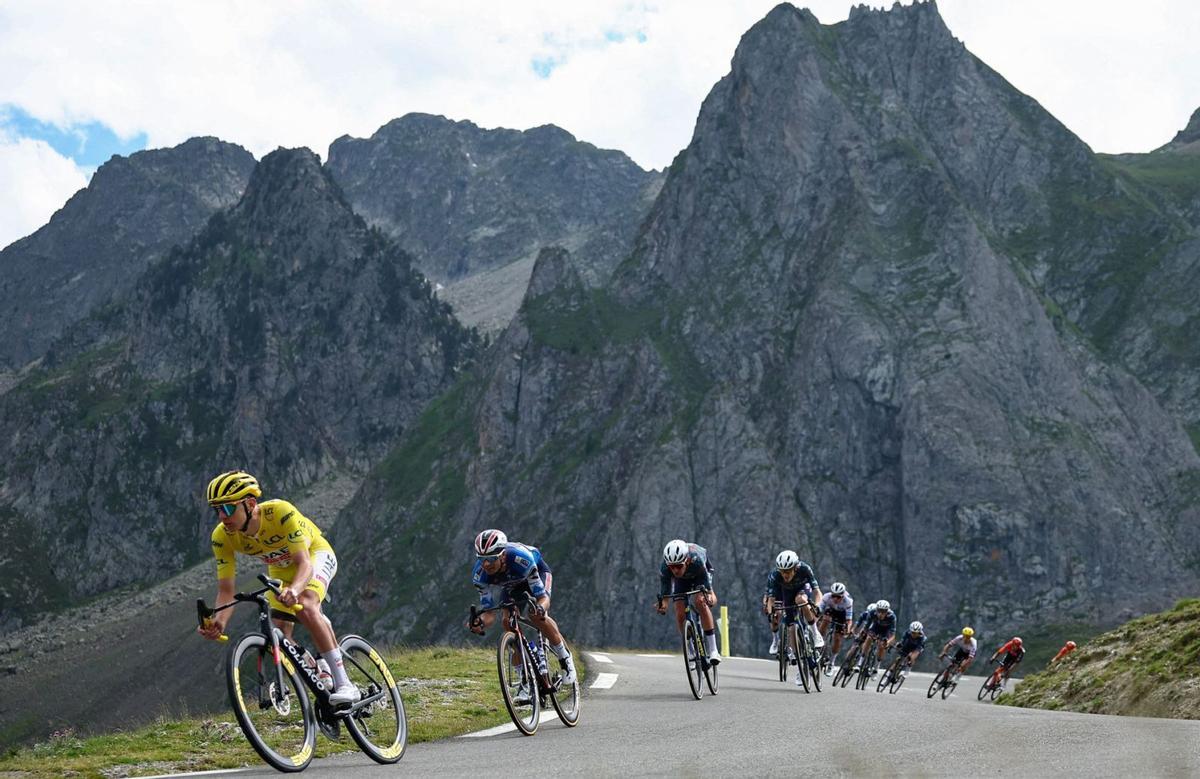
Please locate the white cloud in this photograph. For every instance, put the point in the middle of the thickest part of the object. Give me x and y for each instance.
(267, 74)
(37, 181)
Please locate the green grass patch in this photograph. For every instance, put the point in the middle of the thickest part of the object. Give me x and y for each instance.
(446, 691)
(1137, 669)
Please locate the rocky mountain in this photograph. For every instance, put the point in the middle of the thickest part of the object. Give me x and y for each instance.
(287, 337)
(134, 209)
(1187, 139)
(464, 200)
(877, 313)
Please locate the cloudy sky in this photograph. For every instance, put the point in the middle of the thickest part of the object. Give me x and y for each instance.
(82, 81)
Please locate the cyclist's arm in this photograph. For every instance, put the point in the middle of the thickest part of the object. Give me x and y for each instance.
(216, 626)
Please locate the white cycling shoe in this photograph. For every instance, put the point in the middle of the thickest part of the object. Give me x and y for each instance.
(774, 650)
(524, 695)
(714, 659)
(345, 694)
(568, 665)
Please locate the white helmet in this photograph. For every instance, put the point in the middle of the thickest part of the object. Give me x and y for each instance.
(787, 560)
(872, 607)
(675, 552)
(916, 627)
(882, 605)
(838, 589)
(490, 542)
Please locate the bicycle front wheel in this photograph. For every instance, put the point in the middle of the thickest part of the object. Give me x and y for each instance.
(885, 678)
(801, 652)
(948, 687)
(985, 688)
(518, 683)
(277, 720)
(691, 646)
(935, 684)
(565, 698)
(897, 680)
(781, 645)
(380, 728)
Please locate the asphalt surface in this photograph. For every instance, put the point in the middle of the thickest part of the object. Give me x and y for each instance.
(648, 724)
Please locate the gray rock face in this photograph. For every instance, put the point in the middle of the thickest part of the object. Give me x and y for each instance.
(824, 339)
(97, 245)
(463, 199)
(287, 338)
(1188, 136)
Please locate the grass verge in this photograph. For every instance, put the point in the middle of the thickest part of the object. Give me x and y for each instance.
(446, 692)
(1147, 668)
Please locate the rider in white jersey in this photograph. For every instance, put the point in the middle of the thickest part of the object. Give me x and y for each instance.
(964, 646)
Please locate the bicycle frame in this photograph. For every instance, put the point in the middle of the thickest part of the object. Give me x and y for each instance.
(514, 621)
(294, 651)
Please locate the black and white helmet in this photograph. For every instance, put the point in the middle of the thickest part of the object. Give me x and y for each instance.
(916, 627)
(675, 552)
(882, 605)
(838, 589)
(490, 542)
(787, 560)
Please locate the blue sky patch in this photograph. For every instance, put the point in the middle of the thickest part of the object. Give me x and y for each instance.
(544, 66)
(89, 145)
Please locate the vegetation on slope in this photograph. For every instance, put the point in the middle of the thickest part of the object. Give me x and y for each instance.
(1148, 668)
(446, 692)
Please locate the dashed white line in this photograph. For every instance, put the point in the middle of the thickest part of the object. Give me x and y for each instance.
(604, 681)
(599, 658)
(652, 655)
(203, 773)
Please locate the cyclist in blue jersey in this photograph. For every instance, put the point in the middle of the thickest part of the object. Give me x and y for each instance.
(686, 567)
(911, 644)
(880, 628)
(504, 569)
(792, 583)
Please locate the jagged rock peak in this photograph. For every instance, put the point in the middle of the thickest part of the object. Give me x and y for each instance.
(283, 182)
(1189, 134)
(552, 270)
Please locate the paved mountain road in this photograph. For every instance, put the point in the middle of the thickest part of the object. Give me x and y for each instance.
(648, 724)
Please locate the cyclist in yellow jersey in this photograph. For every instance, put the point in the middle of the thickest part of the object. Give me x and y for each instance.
(294, 550)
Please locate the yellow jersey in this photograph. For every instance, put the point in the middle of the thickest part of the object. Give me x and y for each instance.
(282, 531)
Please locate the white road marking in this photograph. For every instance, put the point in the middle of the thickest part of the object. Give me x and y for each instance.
(204, 773)
(599, 658)
(502, 729)
(604, 681)
(658, 655)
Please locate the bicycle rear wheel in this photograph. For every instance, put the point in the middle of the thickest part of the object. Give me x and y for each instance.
(380, 728)
(565, 697)
(691, 645)
(948, 687)
(524, 705)
(846, 667)
(814, 663)
(885, 678)
(278, 723)
(898, 680)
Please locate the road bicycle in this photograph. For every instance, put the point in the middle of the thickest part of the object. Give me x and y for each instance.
(796, 640)
(827, 656)
(695, 656)
(267, 674)
(993, 685)
(870, 661)
(893, 677)
(946, 679)
(846, 669)
(525, 692)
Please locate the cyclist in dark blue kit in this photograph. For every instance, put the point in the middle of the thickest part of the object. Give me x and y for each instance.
(686, 567)
(792, 583)
(881, 627)
(505, 568)
(911, 644)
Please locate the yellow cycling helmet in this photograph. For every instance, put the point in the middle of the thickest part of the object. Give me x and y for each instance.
(231, 487)
(968, 632)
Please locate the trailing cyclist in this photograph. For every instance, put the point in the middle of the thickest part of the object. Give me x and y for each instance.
(792, 583)
(910, 645)
(295, 552)
(1014, 653)
(836, 608)
(504, 569)
(964, 646)
(878, 632)
(686, 567)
